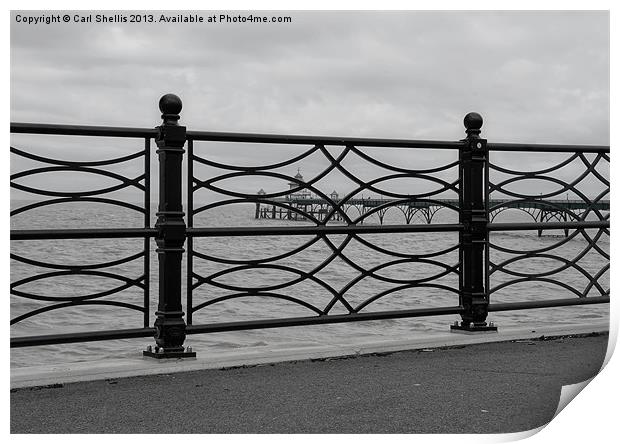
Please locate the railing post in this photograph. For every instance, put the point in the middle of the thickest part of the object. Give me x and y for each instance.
(170, 325)
(473, 298)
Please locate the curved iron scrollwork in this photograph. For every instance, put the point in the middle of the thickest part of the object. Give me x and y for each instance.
(335, 209)
(568, 254)
(586, 204)
(320, 208)
(79, 167)
(76, 270)
(339, 294)
(103, 270)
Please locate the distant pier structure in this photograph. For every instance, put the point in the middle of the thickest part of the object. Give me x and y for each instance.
(294, 205)
(302, 200)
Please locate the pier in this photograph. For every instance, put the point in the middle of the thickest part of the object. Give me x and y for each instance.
(302, 205)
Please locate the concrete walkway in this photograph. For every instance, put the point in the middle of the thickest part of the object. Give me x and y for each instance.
(495, 387)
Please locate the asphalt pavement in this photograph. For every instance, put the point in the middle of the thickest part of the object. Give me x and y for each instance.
(497, 387)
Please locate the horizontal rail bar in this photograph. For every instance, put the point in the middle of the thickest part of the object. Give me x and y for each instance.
(322, 229)
(547, 148)
(314, 320)
(320, 140)
(523, 226)
(103, 233)
(66, 338)
(82, 130)
(108, 131)
(551, 303)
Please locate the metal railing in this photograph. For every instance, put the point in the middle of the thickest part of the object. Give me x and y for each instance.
(468, 276)
(142, 183)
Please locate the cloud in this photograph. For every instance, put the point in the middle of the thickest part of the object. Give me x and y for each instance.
(535, 76)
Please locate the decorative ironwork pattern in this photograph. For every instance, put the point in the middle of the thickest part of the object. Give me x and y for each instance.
(333, 209)
(584, 174)
(111, 270)
(332, 258)
(336, 208)
(83, 167)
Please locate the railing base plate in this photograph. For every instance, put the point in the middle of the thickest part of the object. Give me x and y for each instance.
(473, 328)
(168, 355)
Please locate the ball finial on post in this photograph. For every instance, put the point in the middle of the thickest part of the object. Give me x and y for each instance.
(473, 123)
(170, 105)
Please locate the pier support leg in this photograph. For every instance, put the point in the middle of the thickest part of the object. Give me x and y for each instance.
(542, 219)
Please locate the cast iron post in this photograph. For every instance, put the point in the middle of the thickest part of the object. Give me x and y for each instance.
(170, 325)
(474, 218)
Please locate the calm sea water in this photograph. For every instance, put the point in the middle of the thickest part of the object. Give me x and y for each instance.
(336, 274)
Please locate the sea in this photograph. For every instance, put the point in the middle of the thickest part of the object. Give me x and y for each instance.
(427, 257)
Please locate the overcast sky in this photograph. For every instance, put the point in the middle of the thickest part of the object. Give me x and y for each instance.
(534, 76)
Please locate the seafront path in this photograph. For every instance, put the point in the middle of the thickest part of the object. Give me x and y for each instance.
(455, 383)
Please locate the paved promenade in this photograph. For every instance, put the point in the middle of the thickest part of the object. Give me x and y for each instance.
(494, 387)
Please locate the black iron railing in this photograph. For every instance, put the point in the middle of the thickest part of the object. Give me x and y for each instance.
(97, 168)
(464, 186)
(585, 212)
